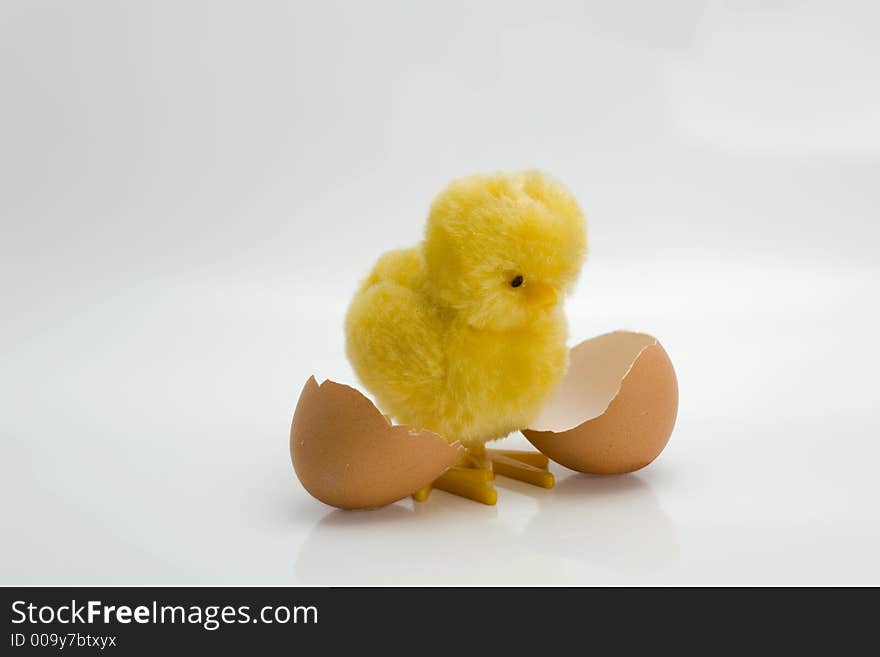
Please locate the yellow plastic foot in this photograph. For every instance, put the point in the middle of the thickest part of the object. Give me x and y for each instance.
(530, 467)
(422, 494)
(473, 477)
(473, 483)
(534, 459)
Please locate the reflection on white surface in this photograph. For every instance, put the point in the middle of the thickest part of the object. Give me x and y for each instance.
(606, 525)
(612, 524)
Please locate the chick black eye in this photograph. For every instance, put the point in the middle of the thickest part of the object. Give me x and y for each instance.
(517, 281)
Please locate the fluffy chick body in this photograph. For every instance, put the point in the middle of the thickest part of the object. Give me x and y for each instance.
(443, 336)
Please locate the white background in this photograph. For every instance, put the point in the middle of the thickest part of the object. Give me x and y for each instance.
(190, 191)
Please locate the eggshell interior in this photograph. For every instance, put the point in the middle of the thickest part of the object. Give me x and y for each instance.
(615, 408)
(348, 455)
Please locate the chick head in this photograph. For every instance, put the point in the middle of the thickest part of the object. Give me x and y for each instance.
(503, 249)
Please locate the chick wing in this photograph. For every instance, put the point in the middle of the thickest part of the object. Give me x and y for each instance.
(393, 339)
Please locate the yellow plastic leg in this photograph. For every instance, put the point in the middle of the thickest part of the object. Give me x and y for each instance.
(475, 458)
(474, 486)
(534, 459)
(465, 473)
(422, 494)
(473, 477)
(517, 466)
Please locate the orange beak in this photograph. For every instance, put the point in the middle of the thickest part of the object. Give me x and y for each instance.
(540, 295)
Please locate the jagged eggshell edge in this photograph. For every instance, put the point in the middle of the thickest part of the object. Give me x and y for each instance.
(621, 430)
(348, 455)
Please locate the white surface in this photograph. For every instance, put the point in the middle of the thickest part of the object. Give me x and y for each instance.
(190, 195)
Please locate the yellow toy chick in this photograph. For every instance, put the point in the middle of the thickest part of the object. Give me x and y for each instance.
(464, 334)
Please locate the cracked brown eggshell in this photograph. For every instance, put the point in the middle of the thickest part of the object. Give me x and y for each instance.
(348, 455)
(615, 408)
